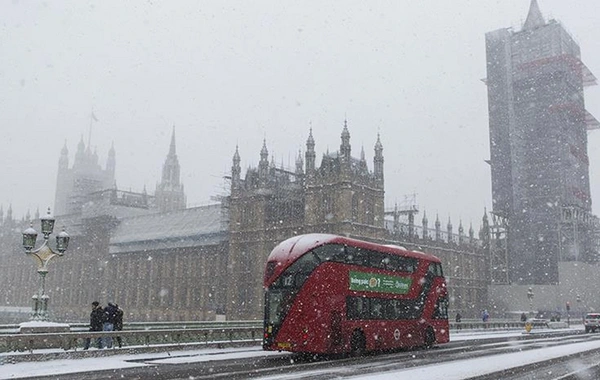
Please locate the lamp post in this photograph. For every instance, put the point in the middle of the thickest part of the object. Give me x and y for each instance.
(530, 297)
(42, 257)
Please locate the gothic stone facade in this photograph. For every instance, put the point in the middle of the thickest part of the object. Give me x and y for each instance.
(207, 262)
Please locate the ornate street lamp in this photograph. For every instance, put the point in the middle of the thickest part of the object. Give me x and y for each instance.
(530, 297)
(42, 257)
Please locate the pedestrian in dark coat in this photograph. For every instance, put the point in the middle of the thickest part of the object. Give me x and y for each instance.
(458, 320)
(110, 315)
(119, 324)
(96, 323)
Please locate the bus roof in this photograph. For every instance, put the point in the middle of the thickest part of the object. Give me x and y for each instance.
(291, 249)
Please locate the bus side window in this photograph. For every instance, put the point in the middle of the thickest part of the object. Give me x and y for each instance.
(357, 256)
(440, 271)
(378, 260)
(376, 308)
(441, 308)
(331, 252)
(357, 308)
(436, 269)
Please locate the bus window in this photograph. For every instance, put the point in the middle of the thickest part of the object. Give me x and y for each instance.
(298, 272)
(357, 308)
(376, 308)
(441, 308)
(379, 260)
(357, 256)
(271, 265)
(360, 308)
(274, 307)
(436, 269)
(331, 252)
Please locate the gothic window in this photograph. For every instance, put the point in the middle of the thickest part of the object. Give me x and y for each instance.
(327, 206)
(369, 212)
(355, 204)
(247, 213)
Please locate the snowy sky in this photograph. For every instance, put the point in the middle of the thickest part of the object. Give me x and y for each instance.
(234, 72)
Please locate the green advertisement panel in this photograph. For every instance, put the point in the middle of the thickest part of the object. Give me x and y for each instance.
(373, 282)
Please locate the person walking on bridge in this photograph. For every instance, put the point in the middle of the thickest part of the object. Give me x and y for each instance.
(96, 324)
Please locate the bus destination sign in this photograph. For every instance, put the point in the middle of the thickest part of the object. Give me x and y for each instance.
(373, 282)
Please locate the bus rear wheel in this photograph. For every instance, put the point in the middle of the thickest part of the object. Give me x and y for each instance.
(429, 337)
(358, 343)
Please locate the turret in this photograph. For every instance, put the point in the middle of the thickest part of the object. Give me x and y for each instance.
(535, 19)
(169, 192)
(378, 161)
(236, 170)
(345, 148)
(471, 234)
(80, 155)
(299, 164)
(310, 154)
(111, 164)
(263, 164)
(63, 161)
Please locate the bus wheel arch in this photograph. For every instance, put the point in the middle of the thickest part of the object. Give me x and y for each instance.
(429, 337)
(358, 343)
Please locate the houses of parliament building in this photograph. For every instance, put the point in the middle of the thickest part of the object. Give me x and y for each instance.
(160, 260)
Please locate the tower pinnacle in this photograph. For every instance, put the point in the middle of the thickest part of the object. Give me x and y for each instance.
(534, 17)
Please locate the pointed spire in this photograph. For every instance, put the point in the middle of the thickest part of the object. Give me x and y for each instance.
(310, 154)
(378, 145)
(310, 142)
(236, 156)
(299, 163)
(378, 160)
(169, 192)
(534, 17)
(64, 151)
(471, 232)
(362, 154)
(345, 149)
(172, 148)
(345, 130)
(264, 152)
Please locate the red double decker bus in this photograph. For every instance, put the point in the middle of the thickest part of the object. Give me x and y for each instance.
(327, 294)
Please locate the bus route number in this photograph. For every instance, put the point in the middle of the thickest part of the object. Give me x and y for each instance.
(397, 334)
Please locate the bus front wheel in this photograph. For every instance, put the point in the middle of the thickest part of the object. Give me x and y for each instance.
(358, 343)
